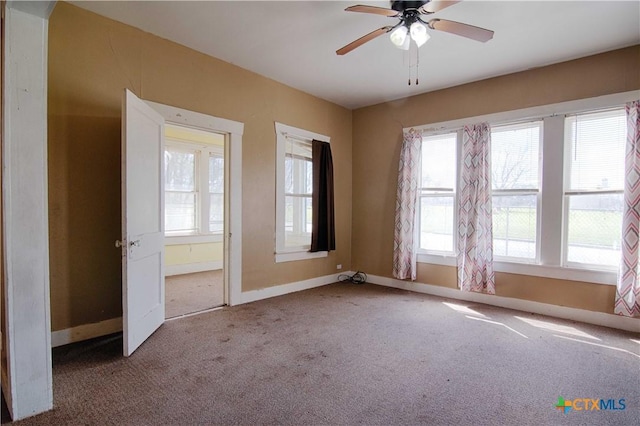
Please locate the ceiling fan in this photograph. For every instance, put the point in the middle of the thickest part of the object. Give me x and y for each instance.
(412, 26)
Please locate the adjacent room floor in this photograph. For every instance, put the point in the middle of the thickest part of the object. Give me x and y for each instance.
(352, 354)
(189, 293)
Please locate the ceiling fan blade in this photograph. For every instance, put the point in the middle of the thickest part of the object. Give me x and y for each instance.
(436, 6)
(464, 30)
(362, 40)
(372, 9)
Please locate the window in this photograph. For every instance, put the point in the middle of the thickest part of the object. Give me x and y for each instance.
(294, 190)
(216, 192)
(194, 182)
(594, 185)
(515, 189)
(298, 188)
(180, 190)
(557, 175)
(437, 193)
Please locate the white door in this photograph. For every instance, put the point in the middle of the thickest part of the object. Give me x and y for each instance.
(142, 222)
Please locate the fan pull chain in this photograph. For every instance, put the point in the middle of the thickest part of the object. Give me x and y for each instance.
(417, 64)
(414, 61)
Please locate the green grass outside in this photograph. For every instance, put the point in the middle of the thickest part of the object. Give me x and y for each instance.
(586, 227)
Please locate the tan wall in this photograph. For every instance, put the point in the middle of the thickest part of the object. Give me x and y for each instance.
(91, 61)
(377, 138)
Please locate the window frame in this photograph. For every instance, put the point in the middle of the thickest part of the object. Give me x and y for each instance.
(282, 252)
(439, 192)
(202, 152)
(525, 191)
(185, 148)
(568, 193)
(551, 228)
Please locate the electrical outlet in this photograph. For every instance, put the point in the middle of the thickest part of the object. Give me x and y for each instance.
(338, 266)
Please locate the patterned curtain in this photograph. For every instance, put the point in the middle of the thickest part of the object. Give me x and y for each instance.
(405, 236)
(475, 228)
(628, 289)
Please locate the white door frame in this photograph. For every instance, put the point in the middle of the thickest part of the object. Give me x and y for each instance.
(233, 186)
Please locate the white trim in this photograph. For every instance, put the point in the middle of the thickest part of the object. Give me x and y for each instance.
(284, 130)
(85, 332)
(438, 259)
(233, 220)
(533, 113)
(27, 385)
(190, 268)
(299, 255)
(582, 315)
(550, 224)
(179, 240)
(197, 120)
(114, 325)
(233, 187)
(545, 271)
(283, 253)
(558, 272)
(280, 290)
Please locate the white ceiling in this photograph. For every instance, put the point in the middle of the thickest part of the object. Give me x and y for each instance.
(294, 42)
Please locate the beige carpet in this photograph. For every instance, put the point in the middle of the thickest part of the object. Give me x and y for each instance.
(349, 354)
(188, 293)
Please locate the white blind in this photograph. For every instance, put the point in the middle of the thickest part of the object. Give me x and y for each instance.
(596, 151)
(439, 161)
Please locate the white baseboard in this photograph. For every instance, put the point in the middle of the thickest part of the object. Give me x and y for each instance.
(114, 325)
(85, 332)
(190, 268)
(582, 315)
(280, 290)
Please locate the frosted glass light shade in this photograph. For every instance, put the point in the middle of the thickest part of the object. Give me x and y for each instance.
(399, 36)
(419, 33)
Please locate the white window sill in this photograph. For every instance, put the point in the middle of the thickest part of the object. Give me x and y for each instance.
(289, 256)
(192, 239)
(544, 271)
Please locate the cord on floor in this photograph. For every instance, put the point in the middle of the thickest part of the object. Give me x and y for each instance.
(357, 278)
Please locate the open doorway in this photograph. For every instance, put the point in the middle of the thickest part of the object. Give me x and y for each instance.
(194, 190)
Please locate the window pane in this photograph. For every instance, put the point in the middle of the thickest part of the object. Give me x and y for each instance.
(297, 221)
(288, 175)
(514, 225)
(308, 177)
(514, 156)
(298, 187)
(216, 212)
(590, 136)
(439, 161)
(180, 170)
(595, 223)
(180, 211)
(436, 223)
(216, 174)
(298, 175)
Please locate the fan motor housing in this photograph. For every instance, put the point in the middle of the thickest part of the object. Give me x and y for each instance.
(401, 6)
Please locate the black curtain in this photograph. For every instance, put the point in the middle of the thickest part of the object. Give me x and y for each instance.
(323, 233)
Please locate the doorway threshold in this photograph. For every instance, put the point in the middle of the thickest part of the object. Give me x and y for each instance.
(204, 311)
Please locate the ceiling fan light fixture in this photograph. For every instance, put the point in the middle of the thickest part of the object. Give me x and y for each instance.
(399, 36)
(406, 44)
(419, 33)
